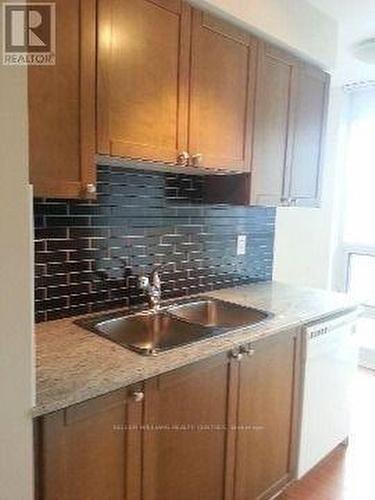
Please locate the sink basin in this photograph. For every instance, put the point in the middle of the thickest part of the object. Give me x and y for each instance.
(151, 332)
(148, 333)
(217, 313)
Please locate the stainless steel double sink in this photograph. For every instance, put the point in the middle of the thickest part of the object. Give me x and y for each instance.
(150, 332)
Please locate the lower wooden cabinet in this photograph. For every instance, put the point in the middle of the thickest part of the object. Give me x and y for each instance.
(185, 459)
(267, 410)
(86, 453)
(220, 429)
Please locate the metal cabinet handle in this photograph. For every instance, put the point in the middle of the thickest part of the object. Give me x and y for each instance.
(248, 350)
(197, 160)
(237, 354)
(90, 188)
(288, 202)
(183, 158)
(284, 202)
(138, 396)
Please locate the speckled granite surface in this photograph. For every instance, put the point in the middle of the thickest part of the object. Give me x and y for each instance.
(74, 365)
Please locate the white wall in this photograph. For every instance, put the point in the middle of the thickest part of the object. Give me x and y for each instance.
(15, 291)
(306, 238)
(295, 24)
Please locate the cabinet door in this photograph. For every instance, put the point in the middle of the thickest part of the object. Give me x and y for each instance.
(62, 108)
(309, 135)
(143, 64)
(185, 458)
(85, 453)
(273, 126)
(265, 416)
(222, 90)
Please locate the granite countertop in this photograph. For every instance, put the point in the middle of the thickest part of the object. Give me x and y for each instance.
(74, 365)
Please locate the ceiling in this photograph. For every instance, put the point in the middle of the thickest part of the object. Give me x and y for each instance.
(356, 20)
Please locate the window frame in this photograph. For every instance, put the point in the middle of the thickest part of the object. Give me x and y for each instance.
(349, 252)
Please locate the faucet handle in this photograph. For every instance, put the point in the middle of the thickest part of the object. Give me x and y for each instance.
(156, 282)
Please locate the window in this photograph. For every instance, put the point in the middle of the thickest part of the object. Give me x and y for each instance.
(359, 220)
(361, 278)
(359, 226)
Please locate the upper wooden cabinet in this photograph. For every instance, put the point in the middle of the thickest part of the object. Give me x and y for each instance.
(62, 108)
(272, 153)
(174, 85)
(309, 135)
(143, 57)
(223, 74)
(290, 118)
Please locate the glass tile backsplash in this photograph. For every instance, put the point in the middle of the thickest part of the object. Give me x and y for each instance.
(88, 255)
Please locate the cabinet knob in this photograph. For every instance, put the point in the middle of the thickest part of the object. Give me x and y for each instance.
(197, 160)
(248, 350)
(237, 354)
(284, 202)
(183, 158)
(90, 188)
(138, 396)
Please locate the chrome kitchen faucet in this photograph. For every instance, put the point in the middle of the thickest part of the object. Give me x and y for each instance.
(152, 286)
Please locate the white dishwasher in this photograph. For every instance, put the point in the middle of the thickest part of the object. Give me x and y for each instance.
(330, 361)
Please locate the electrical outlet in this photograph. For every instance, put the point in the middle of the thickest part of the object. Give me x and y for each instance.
(241, 244)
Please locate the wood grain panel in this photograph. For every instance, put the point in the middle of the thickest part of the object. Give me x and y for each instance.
(309, 135)
(62, 107)
(222, 93)
(187, 461)
(83, 455)
(143, 77)
(265, 414)
(273, 126)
